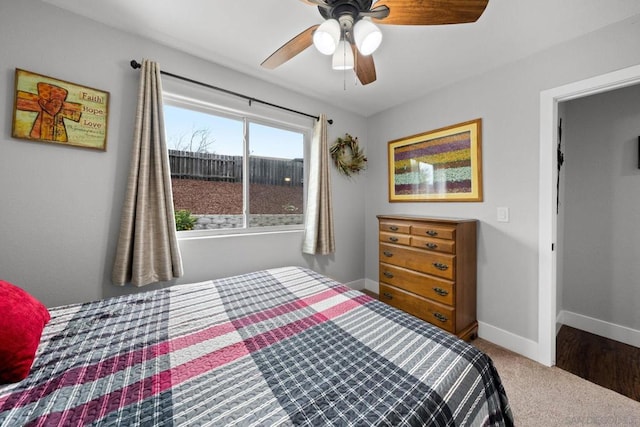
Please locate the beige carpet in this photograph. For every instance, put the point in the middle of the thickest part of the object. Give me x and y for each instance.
(542, 396)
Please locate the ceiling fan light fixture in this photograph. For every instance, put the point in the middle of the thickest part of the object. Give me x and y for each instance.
(367, 36)
(327, 36)
(342, 57)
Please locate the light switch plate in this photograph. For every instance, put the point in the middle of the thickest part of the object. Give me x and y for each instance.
(503, 214)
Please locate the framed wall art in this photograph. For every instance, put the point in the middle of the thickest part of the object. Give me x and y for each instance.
(51, 110)
(442, 165)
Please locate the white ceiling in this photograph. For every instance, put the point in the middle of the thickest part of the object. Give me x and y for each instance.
(412, 60)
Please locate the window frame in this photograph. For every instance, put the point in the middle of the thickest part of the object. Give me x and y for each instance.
(246, 117)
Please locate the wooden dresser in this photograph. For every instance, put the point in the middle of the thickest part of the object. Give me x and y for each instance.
(428, 269)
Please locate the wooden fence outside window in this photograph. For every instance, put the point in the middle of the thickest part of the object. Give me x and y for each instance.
(220, 167)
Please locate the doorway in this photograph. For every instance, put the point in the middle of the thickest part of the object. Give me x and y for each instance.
(547, 261)
(598, 242)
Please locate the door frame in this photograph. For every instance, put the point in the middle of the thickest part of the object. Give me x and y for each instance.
(547, 218)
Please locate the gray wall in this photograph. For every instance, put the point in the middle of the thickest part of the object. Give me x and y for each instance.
(61, 206)
(602, 207)
(508, 101)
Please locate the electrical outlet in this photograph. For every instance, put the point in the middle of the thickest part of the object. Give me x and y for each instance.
(503, 214)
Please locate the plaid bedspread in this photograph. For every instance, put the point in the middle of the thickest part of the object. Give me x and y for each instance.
(283, 346)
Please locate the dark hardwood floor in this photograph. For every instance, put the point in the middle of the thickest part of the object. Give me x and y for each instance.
(602, 361)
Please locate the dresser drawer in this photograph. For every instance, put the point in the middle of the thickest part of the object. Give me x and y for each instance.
(432, 312)
(438, 264)
(395, 227)
(399, 239)
(446, 246)
(439, 290)
(436, 230)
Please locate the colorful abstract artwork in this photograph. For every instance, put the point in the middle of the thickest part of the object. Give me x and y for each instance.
(52, 110)
(441, 165)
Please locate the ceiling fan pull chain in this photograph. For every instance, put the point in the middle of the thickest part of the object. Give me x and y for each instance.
(344, 70)
(344, 80)
(355, 68)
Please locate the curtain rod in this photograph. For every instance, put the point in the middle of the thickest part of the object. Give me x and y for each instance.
(135, 65)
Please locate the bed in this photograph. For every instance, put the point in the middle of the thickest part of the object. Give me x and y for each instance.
(284, 346)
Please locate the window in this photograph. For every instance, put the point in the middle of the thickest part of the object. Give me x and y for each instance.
(232, 171)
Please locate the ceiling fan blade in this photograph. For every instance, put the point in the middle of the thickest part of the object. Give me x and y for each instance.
(322, 3)
(290, 48)
(431, 12)
(364, 67)
(376, 12)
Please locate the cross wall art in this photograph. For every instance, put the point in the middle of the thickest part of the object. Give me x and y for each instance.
(60, 112)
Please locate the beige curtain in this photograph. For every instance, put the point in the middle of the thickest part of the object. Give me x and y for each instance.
(147, 249)
(318, 229)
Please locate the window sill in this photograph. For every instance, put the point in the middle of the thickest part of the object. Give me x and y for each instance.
(237, 232)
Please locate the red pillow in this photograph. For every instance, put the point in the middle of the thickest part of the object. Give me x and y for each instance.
(22, 319)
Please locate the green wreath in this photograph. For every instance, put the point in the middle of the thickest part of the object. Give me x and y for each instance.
(348, 163)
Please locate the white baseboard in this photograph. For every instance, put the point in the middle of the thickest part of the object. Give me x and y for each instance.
(372, 285)
(356, 284)
(508, 340)
(600, 327)
(559, 322)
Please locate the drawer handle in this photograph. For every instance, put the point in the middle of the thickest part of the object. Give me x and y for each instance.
(440, 266)
(393, 239)
(388, 254)
(440, 317)
(431, 245)
(441, 292)
(432, 233)
(388, 275)
(387, 295)
(393, 228)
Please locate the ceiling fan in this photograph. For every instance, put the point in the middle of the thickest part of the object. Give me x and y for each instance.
(350, 35)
